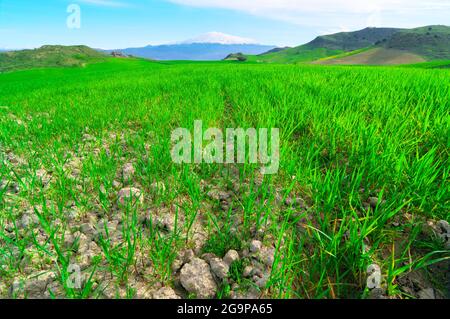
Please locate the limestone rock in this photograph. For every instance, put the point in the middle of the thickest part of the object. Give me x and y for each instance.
(196, 278)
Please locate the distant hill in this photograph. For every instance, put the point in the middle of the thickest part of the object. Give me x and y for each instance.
(377, 45)
(49, 56)
(194, 51)
(431, 42)
(275, 50)
(327, 45)
(350, 41)
(411, 46)
(211, 46)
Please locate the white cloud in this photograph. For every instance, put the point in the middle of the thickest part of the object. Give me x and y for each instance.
(326, 13)
(105, 3)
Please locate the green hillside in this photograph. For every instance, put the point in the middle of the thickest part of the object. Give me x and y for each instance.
(49, 56)
(350, 41)
(327, 46)
(300, 54)
(371, 46)
(431, 42)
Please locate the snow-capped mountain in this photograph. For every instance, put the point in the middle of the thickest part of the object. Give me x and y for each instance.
(209, 46)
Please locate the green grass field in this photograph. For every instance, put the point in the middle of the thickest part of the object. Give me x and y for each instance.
(364, 179)
(300, 54)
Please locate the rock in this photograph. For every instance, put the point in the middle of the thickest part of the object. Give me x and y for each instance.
(208, 256)
(54, 288)
(165, 293)
(16, 289)
(176, 265)
(167, 222)
(219, 268)
(29, 219)
(255, 246)
(107, 229)
(267, 256)
(426, 294)
(247, 271)
(443, 226)
(230, 257)
(130, 194)
(87, 253)
(69, 239)
(83, 241)
(197, 279)
(199, 237)
(72, 214)
(88, 230)
(261, 281)
(188, 255)
(128, 172)
(377, 293)
(444, 232)
(34, 286)
(183, 257)
(257, 272)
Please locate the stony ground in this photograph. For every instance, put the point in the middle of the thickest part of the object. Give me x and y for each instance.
(92, 206)
(145, 245)
(131, 250)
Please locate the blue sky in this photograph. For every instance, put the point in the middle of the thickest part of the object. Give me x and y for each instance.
(126, 23)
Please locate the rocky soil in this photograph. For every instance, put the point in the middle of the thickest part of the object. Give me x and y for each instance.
(67, 234)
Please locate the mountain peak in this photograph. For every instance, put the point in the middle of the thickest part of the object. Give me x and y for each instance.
(219, 38)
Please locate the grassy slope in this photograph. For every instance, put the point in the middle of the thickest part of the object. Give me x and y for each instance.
(404, 47)
(401, 46)
(328, 46)
(346, 134)
(49, 56)
(375, 56)
(350, 41)
(295, 55)
(432, 42)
